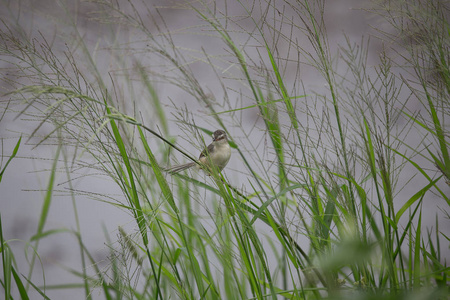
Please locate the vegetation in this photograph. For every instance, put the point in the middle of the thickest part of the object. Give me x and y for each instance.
(328, 193)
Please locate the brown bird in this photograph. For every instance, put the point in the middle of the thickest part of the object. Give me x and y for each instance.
(217, 154)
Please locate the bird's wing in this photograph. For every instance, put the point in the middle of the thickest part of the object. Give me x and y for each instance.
(207, 150)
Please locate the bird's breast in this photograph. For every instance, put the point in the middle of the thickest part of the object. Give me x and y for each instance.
(221, 156)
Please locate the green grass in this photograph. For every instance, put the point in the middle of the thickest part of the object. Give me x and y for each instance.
(322, 202)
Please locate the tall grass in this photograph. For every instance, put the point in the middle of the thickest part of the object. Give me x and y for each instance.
(329, 196)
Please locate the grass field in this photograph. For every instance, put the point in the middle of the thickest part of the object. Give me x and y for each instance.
(329, 190)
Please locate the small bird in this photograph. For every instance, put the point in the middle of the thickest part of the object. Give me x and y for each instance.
(217, 154)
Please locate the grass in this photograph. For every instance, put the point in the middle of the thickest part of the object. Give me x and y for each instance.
(330, 195)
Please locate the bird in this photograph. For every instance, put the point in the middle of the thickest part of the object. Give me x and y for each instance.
(217, 154)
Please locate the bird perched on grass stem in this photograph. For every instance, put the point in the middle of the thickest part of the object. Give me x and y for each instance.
(217, 154)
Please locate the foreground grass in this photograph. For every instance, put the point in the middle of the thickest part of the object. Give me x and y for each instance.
(317, 216)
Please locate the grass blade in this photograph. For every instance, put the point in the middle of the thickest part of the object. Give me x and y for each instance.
(16, 148)
(414, 198)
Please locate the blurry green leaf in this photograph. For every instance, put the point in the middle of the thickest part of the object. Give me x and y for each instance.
(417, 253)
(347, 253)
(133, 194)
(20, 286)
(414, 198)
(176, 255)
(7, 263)
(47, 233)
(16, 148)
(48, 194)
(167, 192)
(38, 289)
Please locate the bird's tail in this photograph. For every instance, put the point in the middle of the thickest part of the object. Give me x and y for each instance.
(179, 168)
